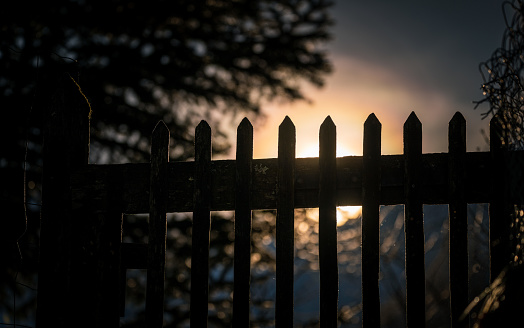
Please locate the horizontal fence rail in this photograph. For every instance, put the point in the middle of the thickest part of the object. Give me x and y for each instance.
(286, 183)
(125, 186)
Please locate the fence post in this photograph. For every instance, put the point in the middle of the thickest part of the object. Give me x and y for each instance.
(414, 224)
(371, 222)
(66, 146)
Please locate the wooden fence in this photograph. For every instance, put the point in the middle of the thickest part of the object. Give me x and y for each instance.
(83, 259)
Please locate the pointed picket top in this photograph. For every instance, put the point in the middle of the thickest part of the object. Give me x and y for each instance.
(412, 122)
(245, 124)
(160, 142)
(328, 123)
(160, 130)
(245, 132)
(287, 124)
(245, 143)
(203, 127)
(372, 120)
(457, 119)
(457, 123)
(327, 138)
(412, 132)
(457, 133)
(286, 139)
(372, 137)
(203, 142)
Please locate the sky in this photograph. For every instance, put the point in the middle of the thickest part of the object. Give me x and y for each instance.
(391, 58)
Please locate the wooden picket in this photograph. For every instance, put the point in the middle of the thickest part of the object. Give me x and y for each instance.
(156, 246)
(458, 221)
(201, 226)
(370, 222)
(284, 183)
(327, 224)
(243, 205)
(414, 224)
(285, 224)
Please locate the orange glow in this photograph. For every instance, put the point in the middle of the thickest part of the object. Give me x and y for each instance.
(308, 151)
(344, 213)
(311, 150)
(307, 120)
(357, 89)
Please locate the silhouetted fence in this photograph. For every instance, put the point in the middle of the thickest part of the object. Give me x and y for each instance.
(84, 262)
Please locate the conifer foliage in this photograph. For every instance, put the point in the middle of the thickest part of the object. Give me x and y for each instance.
(137, 62)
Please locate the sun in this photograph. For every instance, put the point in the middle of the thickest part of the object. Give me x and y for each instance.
(311, 150)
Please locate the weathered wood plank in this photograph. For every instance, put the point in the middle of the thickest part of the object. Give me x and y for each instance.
(371, 222)
(327, 257)
(201, 227)
(243, 205)
(285, 234)
(156, 257)
(458, 221)
(414, 224)
(130, 194)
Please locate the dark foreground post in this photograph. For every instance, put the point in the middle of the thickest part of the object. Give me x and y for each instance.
(66, 146)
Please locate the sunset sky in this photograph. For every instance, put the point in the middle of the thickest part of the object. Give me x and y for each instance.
(391, 58)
